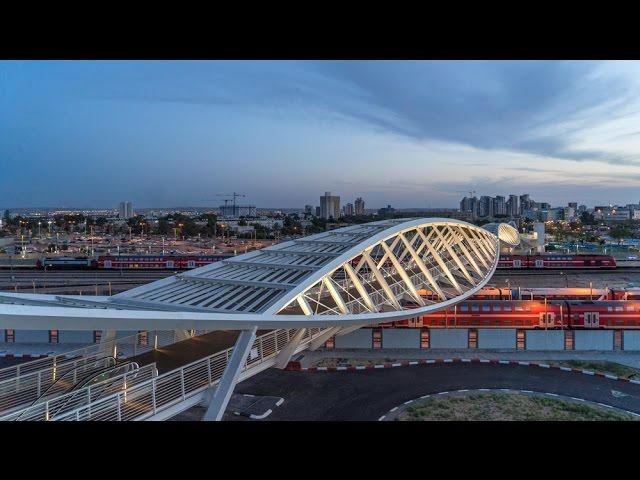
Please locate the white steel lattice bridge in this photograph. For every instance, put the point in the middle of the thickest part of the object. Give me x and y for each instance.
(304, 291)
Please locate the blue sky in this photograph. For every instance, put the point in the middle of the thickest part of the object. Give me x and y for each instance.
(409, 134)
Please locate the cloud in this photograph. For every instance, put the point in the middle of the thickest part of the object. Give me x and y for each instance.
(527, 107)
(534, 107)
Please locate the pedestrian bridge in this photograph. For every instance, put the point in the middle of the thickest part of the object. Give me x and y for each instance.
(300, 293)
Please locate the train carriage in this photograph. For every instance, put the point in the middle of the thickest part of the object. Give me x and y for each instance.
(153, 262)
(554, 260)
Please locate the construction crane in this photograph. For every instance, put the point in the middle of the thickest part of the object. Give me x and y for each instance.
(233, 195)
(470, 192)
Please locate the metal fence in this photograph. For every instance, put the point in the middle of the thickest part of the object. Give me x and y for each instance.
(50, 408)
(146, 399)
(57, 373)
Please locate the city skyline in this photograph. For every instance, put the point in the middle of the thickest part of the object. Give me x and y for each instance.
(409, 134)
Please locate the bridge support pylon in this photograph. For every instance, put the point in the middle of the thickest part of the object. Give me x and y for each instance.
(227, 383)
(285, 354)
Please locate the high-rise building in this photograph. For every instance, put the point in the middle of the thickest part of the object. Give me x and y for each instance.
(486, 206)
(329, 206)
(308, 210)
(512, 206)
(525, 203)
(318, 211)
(348, 209)
(573, 205)
(126, 210)
(470, 206)
(499, 206)
(359, 206)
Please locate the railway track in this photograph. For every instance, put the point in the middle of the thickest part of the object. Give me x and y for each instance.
(568, 271)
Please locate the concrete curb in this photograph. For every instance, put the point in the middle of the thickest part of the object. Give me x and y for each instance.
(295, 366)
(43, 355)
(23, 355)
(505, 390)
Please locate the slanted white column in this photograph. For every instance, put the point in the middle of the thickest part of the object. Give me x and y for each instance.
(285, 354)
(322, 338)
(227, 382)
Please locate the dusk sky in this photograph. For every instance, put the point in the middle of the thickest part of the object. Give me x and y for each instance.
(409, 134)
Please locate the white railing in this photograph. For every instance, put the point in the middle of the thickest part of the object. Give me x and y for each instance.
(58, 373)
(148, 399)
(50, 408)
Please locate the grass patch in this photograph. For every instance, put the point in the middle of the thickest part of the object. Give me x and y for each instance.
(602, 366)
(339, 362)
(507, 407)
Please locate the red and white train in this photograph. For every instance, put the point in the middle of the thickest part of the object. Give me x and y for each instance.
(533, 314)
(155, 262)
(564, 261)
(151, 262)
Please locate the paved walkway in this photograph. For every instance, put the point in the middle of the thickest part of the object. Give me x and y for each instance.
(308, 359)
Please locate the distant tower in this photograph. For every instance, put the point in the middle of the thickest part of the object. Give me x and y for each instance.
(125, 210)
(348, 209)
(329, 206)
(359, 206)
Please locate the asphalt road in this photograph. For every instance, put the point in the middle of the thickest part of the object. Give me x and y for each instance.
(369, 394)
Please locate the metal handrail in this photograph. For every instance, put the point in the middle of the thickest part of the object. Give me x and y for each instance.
(83, 396)
(32, 366)
(22, 390)
(146, 399)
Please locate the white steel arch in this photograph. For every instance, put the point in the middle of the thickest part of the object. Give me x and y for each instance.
(361, 274)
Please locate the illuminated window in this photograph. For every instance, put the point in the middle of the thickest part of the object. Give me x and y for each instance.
(568, 339)
(424, 338)
(377, 337)
(520, 340)
(464, 308)
(486, 308)
(473, 338)
(9, 336)
(496, 308)
(618, 340)
(330, 343)
(53, 336)
(475, 308)
(506, 308)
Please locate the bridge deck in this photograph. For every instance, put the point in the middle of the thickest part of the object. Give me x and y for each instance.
(182, 353)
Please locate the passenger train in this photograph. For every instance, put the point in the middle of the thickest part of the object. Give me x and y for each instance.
(150, 262)
(556, 261)
(532, 314)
